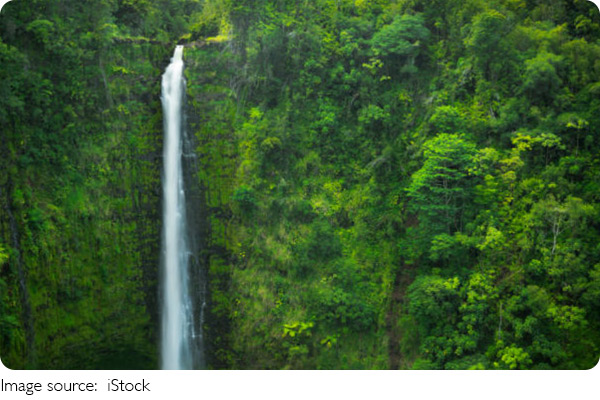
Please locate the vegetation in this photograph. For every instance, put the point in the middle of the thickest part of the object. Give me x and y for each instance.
(385, 184)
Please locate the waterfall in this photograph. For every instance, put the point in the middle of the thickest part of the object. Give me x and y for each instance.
(181, 341)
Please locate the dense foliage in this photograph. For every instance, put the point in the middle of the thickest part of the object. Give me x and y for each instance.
(385, 184)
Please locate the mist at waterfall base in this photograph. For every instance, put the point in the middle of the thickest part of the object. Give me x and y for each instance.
(181, 333)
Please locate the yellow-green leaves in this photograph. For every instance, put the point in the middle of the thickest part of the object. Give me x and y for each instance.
(513, 357)
(297, 328)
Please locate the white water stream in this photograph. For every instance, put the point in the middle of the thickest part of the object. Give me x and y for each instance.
(177, 342)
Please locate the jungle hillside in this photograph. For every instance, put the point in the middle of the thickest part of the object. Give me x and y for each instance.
(377, 184)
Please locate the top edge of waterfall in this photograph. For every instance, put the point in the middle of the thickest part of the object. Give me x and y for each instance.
(178, 55)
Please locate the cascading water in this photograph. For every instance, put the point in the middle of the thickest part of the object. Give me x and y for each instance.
(181, 345)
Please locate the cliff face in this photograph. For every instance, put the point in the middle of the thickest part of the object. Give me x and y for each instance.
(212, 111)
(80, 190)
